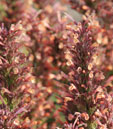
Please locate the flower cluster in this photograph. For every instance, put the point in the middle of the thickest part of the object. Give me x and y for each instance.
(102, 28)
(14, 77)
(86, 103)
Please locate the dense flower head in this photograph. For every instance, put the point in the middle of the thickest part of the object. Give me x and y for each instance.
(102, 29)
(85, 91)
(13, 75)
